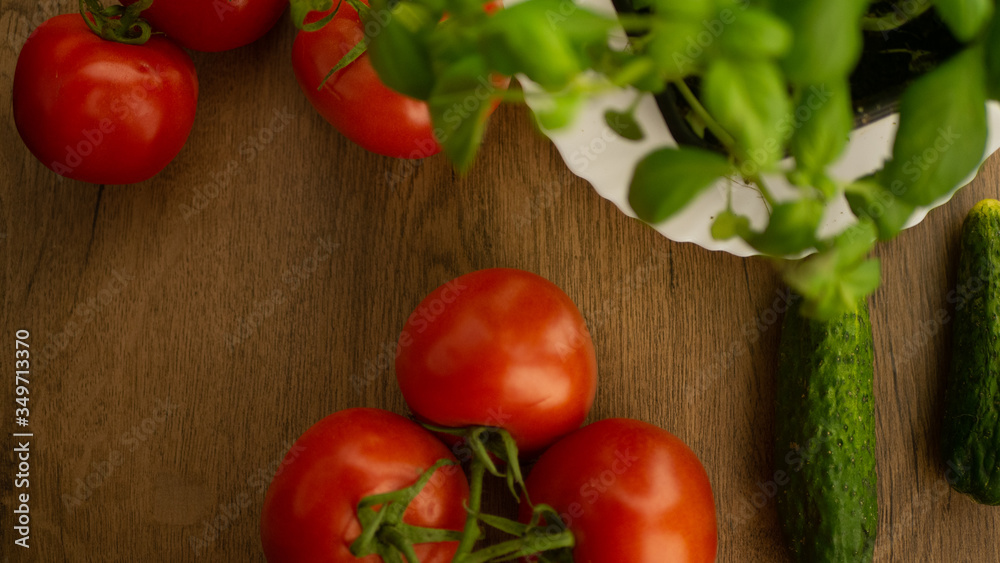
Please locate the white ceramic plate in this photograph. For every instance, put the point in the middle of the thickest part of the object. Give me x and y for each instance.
(595, 153)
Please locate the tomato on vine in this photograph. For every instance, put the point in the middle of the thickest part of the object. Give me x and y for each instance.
(105, 110)
(213, 25)
(311, 510)
(503, 348)
(628, 491)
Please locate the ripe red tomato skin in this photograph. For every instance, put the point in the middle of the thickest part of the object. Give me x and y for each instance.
(354, 100)
(629, 491)
(309, 510)
(213, 25)
(499, 347)
(99, 111)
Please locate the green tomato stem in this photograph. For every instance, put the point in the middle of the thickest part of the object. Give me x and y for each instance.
(477, 470)
(392, 536)
(522, 547)
(117, 23)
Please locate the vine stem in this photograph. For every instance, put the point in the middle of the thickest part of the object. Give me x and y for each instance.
(720, 133)
(477, 470)
(765, 192)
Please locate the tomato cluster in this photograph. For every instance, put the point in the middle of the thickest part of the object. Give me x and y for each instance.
(506, 350)
(101, 101)
(104, 102)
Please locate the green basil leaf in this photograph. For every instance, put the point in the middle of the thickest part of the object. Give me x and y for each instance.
(398, 47)
(791, 228)
(756, 33)
(300, 9)
(543, 39)
(942, 130)
(823, 120)
(624, 124)
(870, 200)
(696, 10)
(640, 72)
(728, 225)
(830, 294)
(459, 108)
(965, 18)
(667, 179)
(583, 27)
(854, 243)
(836, 278)
(827, 40)
(558, 110)
(749, 99)
(675, 48)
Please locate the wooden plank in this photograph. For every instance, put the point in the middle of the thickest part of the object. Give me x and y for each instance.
(192, 326)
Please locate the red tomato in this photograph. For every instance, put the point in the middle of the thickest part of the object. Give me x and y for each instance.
(309, 512)
(629, 491)
(354, 100)
(213, 25)
(100, 111)
(500, 348)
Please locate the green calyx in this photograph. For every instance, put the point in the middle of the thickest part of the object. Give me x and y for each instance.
(117, 23)
(384, 533)
(487, 443)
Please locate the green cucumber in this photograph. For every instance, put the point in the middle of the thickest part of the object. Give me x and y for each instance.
(825, 439)
(970, 438)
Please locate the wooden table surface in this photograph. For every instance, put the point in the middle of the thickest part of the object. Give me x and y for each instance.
(187, 329)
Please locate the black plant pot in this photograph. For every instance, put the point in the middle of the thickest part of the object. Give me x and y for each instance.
(891, 60)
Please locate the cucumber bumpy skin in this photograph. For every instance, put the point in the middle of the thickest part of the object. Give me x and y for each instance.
(825, 439)
(970, 437)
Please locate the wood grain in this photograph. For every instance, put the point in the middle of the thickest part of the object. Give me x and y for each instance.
(181, 352)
